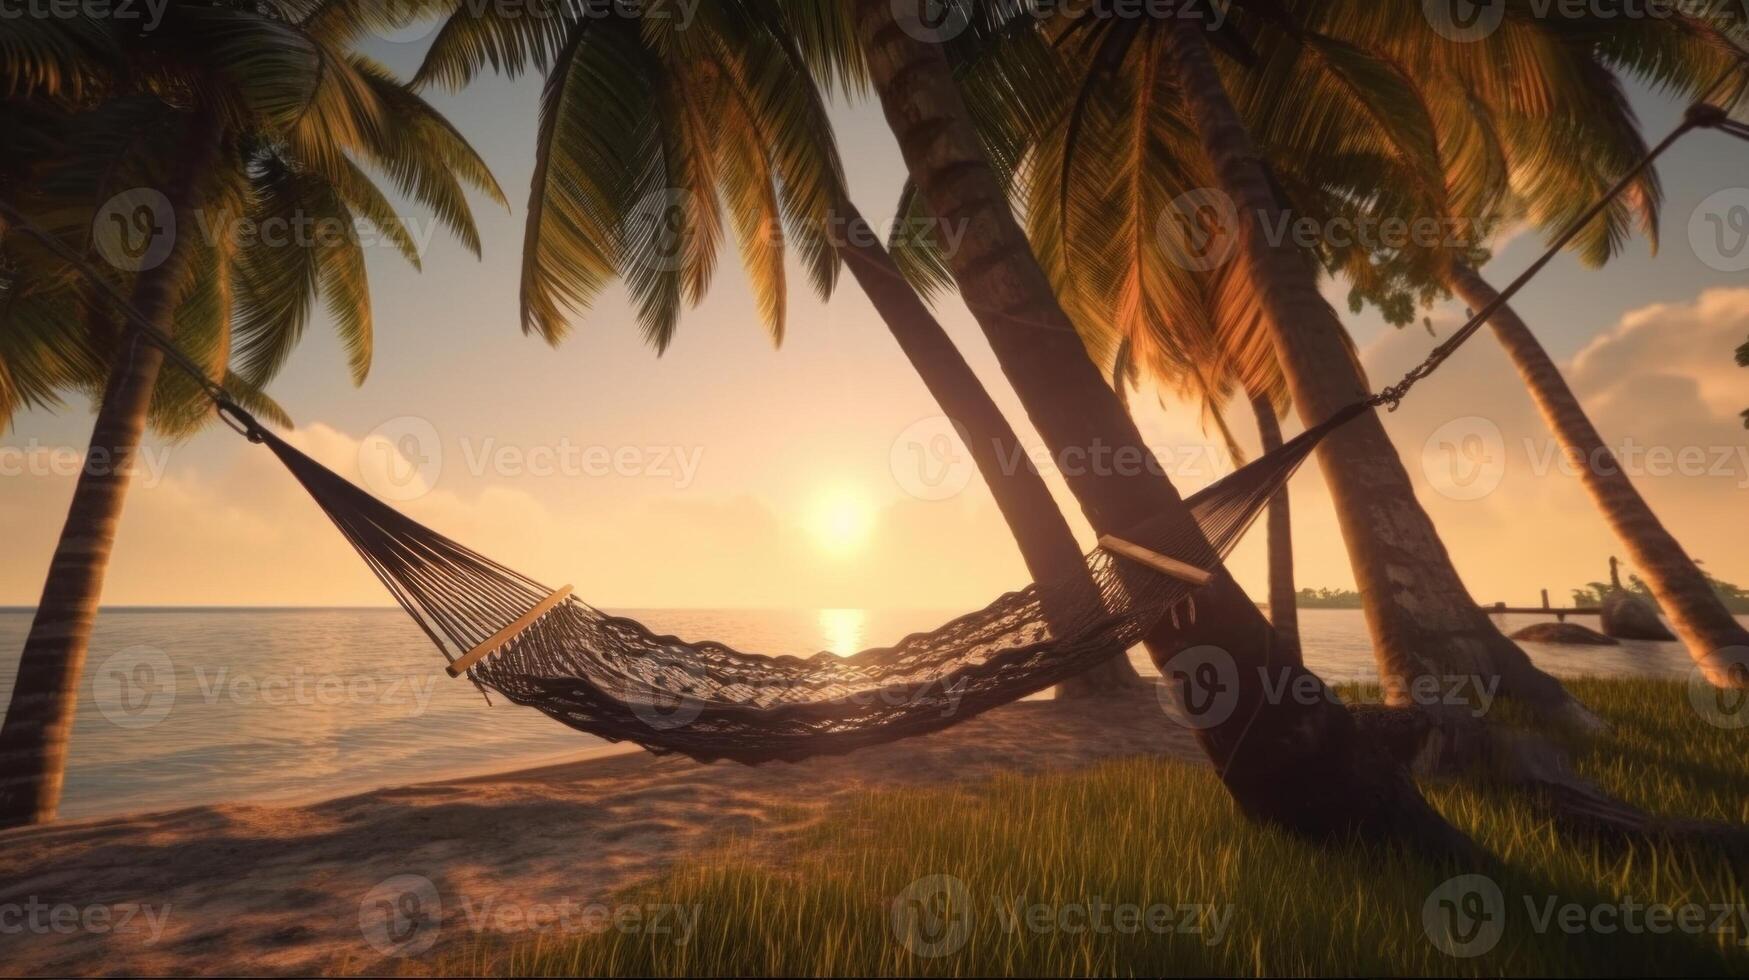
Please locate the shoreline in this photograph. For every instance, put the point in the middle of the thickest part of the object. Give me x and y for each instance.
(272, 889)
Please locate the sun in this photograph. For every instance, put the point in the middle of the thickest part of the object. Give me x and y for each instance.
(841, 520)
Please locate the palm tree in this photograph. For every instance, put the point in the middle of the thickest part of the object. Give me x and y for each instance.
(243, 113)
(632, 188)
(1743, 361)
(1129, 143)
(1303, 766)
(1432, 629)
(1464, 147)
(910, 85)
(1105, 163)
(1284, 607)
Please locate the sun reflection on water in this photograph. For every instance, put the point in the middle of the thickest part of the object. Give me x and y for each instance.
(844, 630)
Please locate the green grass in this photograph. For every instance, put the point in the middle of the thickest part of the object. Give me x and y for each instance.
(1150, 833)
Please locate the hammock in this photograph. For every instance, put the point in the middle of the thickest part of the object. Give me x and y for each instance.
(615, 678)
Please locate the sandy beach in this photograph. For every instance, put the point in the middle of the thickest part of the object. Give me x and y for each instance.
(270, 890)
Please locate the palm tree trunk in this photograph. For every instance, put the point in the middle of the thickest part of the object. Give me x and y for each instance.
(1284, 612)
(1429, 634)
(1718, 643)
(39, 720)
(1297, 762)
(1047, 545)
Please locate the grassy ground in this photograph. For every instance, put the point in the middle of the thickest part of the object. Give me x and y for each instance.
(1143, 867)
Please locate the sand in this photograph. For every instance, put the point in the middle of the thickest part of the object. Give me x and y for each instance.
(356, 884)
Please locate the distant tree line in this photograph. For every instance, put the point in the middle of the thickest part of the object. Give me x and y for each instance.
(1735, 598)
(1328, 599)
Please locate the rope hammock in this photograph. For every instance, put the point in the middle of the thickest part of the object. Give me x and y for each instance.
(614, 678)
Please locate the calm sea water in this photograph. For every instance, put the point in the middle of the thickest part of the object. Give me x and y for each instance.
(187, 706)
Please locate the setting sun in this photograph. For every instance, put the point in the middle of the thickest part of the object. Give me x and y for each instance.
(841, 520)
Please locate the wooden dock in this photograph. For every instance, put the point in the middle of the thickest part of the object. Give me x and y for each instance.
(1560, 613)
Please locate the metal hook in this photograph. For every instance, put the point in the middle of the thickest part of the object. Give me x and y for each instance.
(241, 422)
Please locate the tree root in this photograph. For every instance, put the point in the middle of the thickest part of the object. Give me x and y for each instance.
(1538, 768)
(1457, 745)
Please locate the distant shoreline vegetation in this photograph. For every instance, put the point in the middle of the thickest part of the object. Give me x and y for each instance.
(1327, 599)
(1735, 598)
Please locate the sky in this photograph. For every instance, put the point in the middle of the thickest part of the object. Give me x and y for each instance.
(729, 473)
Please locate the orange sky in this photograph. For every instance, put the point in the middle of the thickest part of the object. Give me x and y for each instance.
(727, 474)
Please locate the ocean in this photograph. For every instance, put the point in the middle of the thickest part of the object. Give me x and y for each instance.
(181, 706)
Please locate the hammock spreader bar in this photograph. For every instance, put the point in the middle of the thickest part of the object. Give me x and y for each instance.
(615, 678)
(499, 640)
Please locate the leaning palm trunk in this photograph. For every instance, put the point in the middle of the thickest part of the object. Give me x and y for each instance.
(1047, 545)
(39, 720)
(1430, 637)
(1718, 643)
(1284, 613)
(1297, 762)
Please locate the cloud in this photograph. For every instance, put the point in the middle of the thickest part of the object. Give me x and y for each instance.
(1692, 342)
(1660, 387)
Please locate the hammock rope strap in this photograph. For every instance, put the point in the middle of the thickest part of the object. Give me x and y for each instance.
(1699, 116)
(613, 677)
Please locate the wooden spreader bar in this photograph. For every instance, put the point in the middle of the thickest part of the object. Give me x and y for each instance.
(508, 633)
(1158, 562)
